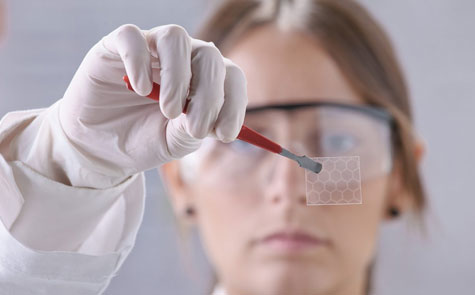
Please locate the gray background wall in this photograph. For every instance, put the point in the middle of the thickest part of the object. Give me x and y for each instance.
(436, 43)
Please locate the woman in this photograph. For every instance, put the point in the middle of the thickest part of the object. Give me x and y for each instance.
(302, 59)
(70, 175)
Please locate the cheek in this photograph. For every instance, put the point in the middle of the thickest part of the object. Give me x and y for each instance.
(356, 227)
(225, 220)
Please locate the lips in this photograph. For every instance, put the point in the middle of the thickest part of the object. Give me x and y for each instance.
(292, 240)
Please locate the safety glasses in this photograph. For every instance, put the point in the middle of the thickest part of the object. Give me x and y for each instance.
(316, 129)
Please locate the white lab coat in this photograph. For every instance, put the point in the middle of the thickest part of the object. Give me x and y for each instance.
(54, 238)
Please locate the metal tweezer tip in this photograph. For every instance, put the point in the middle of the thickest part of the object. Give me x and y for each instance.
(303, 161)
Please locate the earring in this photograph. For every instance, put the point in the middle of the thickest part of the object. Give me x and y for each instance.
(189, 211)
(394, 212)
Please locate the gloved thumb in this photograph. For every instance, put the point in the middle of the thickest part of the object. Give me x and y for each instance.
(179, 141)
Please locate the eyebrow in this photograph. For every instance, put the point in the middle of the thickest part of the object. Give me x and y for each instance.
(371, 110)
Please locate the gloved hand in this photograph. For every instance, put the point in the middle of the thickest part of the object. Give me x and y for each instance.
(124, 132)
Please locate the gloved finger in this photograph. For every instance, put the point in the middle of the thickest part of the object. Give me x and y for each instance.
(179, 141)
(231, 116)
(206, 89)
(129, 43)
(172, 46)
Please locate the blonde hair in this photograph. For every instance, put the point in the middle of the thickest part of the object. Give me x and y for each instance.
(355, 41)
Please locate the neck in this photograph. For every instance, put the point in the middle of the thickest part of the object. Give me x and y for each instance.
(357, 285)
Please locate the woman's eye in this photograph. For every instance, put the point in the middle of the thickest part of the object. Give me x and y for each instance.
(338, 143)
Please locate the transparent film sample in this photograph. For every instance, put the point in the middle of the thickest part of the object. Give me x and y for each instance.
(339, 182)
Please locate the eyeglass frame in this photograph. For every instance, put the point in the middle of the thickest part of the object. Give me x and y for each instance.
(370, 110)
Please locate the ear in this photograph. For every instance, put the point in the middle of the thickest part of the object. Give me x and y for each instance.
(419, 150)
(398, 197)
(178, 190)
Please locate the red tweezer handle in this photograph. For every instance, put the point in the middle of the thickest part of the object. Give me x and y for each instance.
(246, 134)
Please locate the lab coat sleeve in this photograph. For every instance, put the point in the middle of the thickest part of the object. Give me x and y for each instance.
(57, 237)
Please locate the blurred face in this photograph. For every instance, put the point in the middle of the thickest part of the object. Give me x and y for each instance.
(251, 205)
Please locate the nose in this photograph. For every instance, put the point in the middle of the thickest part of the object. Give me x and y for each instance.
(286, 184)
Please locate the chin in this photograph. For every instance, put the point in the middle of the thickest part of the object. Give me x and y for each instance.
(292, 278)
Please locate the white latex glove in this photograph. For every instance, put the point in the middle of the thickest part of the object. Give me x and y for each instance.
(124, 132)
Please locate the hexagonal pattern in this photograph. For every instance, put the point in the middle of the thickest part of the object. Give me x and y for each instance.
(339, 182)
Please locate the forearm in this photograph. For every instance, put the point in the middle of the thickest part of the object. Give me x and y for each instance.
(44, 147)
(82, 234)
